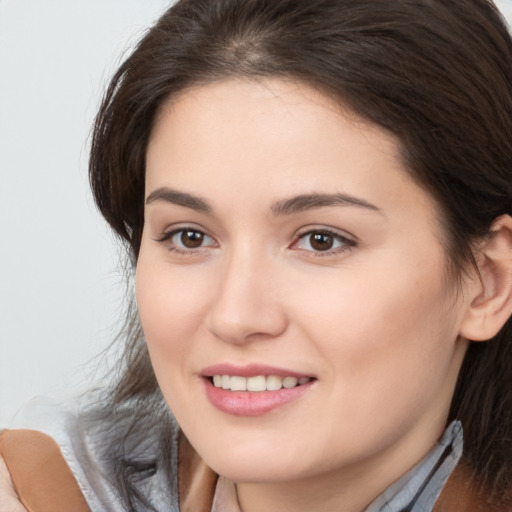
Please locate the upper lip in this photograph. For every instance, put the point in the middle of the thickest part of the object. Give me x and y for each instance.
(250, 370)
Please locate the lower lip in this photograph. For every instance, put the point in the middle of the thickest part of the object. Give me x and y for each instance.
(252, 403)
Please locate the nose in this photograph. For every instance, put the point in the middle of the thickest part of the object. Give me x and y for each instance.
(247, 304)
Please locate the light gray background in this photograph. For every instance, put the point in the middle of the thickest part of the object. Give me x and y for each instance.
(60, 287)
(61, 292)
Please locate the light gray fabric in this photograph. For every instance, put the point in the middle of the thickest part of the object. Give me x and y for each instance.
(91, 446)
(418, 489)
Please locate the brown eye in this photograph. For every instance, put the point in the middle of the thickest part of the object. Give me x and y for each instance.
(186, 240)
(191, 239)
(321, 241)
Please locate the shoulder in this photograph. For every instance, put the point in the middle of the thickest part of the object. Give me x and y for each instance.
(104, 455)
(9, 499)
(48, 448)
(39, 472)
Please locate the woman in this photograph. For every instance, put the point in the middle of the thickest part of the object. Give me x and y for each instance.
(316, 198)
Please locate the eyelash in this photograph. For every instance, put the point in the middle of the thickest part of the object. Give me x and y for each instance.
(168, 236)
(345, 243)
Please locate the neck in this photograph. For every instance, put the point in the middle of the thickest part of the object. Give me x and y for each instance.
(349, 489)
(320, 495)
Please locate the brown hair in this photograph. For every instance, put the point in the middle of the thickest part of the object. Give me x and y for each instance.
(436, 73)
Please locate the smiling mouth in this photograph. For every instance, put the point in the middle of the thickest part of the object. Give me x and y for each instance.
(257, 383)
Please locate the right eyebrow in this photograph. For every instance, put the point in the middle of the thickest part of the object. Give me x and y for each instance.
(170, 195)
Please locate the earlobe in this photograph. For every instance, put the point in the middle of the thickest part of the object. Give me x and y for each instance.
(490, 293)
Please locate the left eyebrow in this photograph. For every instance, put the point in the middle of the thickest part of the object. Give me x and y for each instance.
(307, 202)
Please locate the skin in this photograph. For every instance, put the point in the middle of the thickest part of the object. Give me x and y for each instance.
(376, 320)
(8, 498)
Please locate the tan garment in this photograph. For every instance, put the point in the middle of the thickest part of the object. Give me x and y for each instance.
(196, 481)
(39, 472)
(9, 501)
(460, 494)
(45, 483)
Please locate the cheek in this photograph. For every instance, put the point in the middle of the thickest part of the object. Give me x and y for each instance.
(170, 305)
(387, 335)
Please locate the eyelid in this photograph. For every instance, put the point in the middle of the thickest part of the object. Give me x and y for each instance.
(172, 229)
(170, 232)
(348, 241)
(325, 229)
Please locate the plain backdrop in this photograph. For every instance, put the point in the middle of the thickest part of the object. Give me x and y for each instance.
(61, 290)
(61, 287)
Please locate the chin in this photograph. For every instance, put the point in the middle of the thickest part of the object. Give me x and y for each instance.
(257, 462)
(250, 471)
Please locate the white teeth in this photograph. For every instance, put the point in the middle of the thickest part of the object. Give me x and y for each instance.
(290, 382)
(226, 382)
(238, 383)
(274, 383)
(258, 383)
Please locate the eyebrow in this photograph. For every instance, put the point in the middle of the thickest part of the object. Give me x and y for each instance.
(300, 203)
(313, 201)
(180, 198)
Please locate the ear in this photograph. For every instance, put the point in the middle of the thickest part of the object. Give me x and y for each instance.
(490, 292)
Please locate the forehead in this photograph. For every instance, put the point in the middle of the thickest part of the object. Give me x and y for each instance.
(266, 118)
(249, 103)
(271, 140)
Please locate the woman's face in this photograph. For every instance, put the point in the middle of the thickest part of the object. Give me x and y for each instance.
(286, 250)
